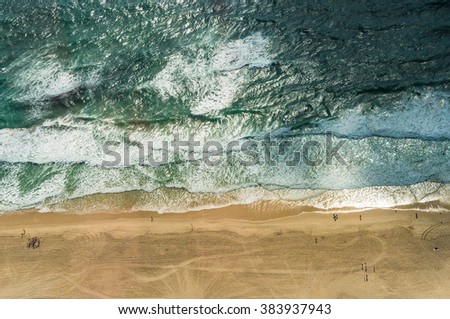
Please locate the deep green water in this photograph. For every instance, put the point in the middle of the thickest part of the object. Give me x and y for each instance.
(75, 74)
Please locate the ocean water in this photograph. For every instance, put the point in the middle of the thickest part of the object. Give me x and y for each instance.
(368, 80)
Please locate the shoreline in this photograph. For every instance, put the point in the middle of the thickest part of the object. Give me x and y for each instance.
(424, 195)
(241, 251)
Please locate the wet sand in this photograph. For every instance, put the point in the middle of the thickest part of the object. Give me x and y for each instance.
(262, 250)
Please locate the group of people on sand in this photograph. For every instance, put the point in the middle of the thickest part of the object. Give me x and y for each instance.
(364, 268)
(33, 242)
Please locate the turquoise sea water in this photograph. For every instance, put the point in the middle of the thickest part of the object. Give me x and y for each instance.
(76, 74)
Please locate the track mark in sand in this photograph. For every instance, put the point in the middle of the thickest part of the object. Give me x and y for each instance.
(170, 272)
(382, 254)
(269, 271)
(86, 290)
(430, 229)
(433, 255)
(175, 268)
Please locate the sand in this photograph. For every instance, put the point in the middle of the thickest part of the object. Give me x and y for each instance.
(262, 250)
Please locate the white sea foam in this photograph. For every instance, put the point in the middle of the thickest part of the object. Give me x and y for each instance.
(62, 83)
(43, 79)
(169, 81)
(13, 198)
(228, 86)
(64, 140)
(401, 161)
(49, 145)
(41, 76)
(252, 51)
(381, 196)
(216, 83)
(424, 116)
(344, 201)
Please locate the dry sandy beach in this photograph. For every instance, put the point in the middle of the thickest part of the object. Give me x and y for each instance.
(264, 250)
